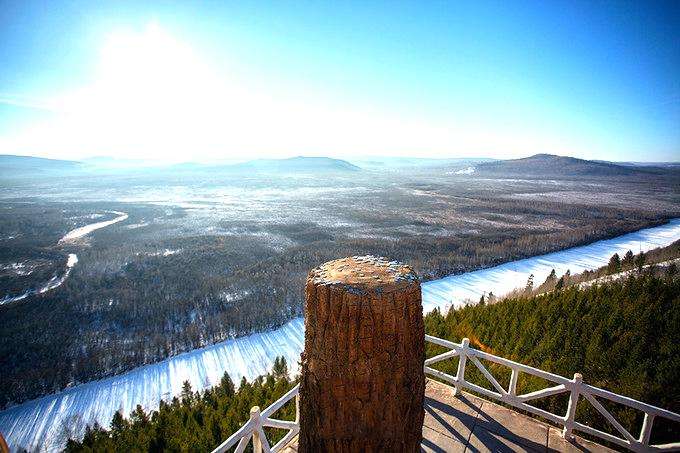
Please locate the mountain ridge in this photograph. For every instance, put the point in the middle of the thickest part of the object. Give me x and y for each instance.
(297, 164)
(30, 163)
(553, 165)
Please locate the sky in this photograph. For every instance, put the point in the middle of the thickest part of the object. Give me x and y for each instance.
(183, 81)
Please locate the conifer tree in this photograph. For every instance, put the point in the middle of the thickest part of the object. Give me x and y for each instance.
(226, 386)
(627, 262)
(614, 266)
(640, 261)
(530, 284)
(280, 369)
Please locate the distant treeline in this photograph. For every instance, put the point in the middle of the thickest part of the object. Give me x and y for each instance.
(623, 336)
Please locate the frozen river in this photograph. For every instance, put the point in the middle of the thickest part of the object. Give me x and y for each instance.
(56, 281)
(87, 229)
(45, 422)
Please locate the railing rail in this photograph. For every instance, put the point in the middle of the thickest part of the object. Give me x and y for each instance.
(254, 428)
(576, 388)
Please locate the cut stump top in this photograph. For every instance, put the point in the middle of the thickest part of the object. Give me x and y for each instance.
(361, 274)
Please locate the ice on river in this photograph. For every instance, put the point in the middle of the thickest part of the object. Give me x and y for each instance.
(45, 423)
(87, 229)
(456, 289)
(42, 423)
(57, 281)
(54, 282)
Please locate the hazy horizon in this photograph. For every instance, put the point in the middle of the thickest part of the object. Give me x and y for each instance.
(236, 160)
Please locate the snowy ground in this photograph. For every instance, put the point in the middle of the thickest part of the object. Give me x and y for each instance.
(44, 423)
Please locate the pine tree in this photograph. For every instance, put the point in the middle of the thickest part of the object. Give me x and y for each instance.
(627, 261)
(551, 277)
(187, 394)
(640, 262)
(280, 369)
(614, 266)
(226, 387)
(118, 424)
(530, 284)
(138, 417)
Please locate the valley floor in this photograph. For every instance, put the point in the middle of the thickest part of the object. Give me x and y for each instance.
(47, 422)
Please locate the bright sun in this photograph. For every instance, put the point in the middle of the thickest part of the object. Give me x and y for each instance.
(154, 97)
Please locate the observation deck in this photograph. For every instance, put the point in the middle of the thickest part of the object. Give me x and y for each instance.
(457, 421)
(471, 424)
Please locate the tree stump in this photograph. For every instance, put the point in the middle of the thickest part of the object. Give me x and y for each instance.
(362, 385)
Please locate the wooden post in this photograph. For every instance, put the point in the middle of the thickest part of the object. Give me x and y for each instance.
(362, 386)
(460, 374)
(255, 417)
(571, 407)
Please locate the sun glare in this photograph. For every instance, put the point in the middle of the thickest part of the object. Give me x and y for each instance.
(155, 97)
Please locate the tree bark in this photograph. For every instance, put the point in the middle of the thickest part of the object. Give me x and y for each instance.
(362, 384)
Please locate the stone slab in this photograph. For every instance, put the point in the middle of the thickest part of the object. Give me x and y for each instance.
(451, 416)
(557, 443)
(488, 441)
(511, 425)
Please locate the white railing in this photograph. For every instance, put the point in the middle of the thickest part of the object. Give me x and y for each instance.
(254, 428)
(576, 388)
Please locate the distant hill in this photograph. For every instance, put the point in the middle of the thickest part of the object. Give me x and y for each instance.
(115, 163)
(416, 162)
(17, 165)
(298, 164)
(647, 164)
(555, 166)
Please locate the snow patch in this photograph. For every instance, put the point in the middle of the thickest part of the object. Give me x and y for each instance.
(166, 252)
(18, 268)
(465, 171)
(134, 226)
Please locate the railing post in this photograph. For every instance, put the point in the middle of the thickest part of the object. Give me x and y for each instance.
(571, 408)
(646, 431)
(297, 408)
(255, 417)
(512, 388)
(460, 375)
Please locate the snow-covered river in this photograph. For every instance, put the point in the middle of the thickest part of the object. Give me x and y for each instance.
(43, 423)
(87, 229)
(54, 282)
(71, 261)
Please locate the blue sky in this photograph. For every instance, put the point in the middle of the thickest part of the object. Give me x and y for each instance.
(213, 80)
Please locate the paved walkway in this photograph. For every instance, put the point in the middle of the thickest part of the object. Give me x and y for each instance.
(472, 424)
